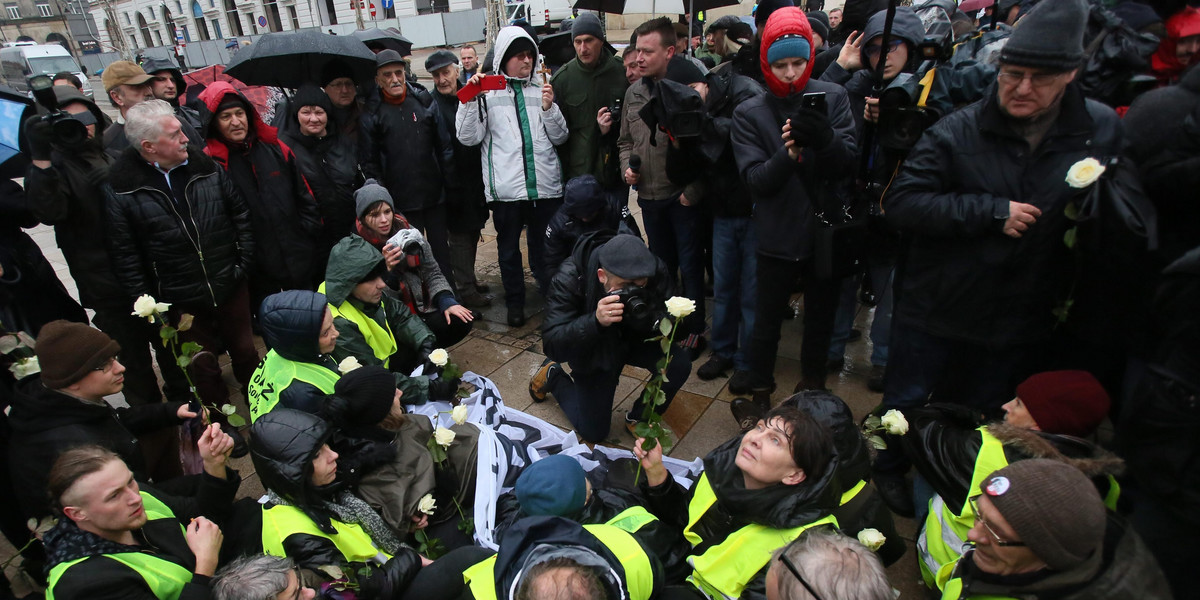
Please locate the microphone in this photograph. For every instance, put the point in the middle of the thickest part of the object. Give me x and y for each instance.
(635, 165)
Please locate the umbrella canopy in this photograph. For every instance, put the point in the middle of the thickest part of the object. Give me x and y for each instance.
(558, 50)
(291, 59)
(15, 107)
(390, 40)
(199, 79)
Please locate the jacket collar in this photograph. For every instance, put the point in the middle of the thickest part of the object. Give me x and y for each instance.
(1073, 117)
(131, 171)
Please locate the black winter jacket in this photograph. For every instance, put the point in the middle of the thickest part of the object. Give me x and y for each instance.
(70, 197)
(46, 422)
(191, 246)
(568, 225)
(778, 506)
(102, 578)
(713, 160)
(283, 445)
(406, 148)
(330, 166)
(291, 326)
(283, 213)
(964, 279)
(786, 192)
(466, 207)
(570, 331)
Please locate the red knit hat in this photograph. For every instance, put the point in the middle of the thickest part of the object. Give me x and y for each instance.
(1065, 402)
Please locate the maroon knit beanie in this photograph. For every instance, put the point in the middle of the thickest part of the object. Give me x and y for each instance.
(1065, 402)
(68, 351)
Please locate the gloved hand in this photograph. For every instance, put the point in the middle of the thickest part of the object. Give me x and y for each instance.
(811, 129)
(37, 135)
(443, 389)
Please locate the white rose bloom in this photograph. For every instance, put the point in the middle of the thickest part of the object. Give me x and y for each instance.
(894, 422)
(439, 357)
(426, 504)
(9, 343)
(872, 539)
(144, 306)
(161, 307)
(680, 307)
(444, 437)
(459, 414)
(25, 367)
(1084, 173)
(348, 364)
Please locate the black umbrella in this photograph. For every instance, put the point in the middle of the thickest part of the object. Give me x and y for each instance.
(662, 7)
(558, 50)
(292, 59)
(390, 40)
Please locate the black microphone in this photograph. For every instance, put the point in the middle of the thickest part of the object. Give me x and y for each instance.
(635, 165)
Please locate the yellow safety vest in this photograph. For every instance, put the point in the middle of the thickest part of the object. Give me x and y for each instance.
(381, 339)
(275, 373)
(279, 522)
(725, 569)
(164, 578)
(616, 535)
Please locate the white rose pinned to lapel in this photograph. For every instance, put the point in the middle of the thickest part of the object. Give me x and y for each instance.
(348, 364)
(1084, 173)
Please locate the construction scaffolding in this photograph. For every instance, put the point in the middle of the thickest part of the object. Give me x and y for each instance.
(497, 18)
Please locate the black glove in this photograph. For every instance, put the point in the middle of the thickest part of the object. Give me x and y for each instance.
(443, 389)
(811, 129)
(37, 135)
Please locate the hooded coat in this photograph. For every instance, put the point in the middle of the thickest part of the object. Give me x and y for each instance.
(466, 208)
(568, 224)
(186, 114)
(405, 148)
(283, 212)
(778, 506)
(283, 445)
(69, 196)
(581, 91)
(187, 243)
(45, 422)
(291, 326)
(786, 192)
(518, 137)
(570, 332)
(1164, 63)
(350, 261)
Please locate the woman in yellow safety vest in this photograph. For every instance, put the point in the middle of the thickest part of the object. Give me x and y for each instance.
(298, 372)
(757, 493)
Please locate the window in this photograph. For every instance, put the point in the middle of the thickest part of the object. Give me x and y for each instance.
(217, 29)
(13, 11)
(44, 10)
(128, 21)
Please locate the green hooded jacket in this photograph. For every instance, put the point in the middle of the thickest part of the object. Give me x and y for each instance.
(352, 259)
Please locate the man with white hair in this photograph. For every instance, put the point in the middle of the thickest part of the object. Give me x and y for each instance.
(179, 230)
(826, 564)
(260, 577)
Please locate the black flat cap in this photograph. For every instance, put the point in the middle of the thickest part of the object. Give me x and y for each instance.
(440, 59)
(627, 257)
(387, 57)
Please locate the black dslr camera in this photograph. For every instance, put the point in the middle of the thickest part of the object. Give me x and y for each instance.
(65, 128)
(614, 109)
(639, 315)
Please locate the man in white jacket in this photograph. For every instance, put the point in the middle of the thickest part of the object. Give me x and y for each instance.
(522, 176)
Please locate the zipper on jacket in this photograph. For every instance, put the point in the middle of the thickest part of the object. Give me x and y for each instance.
(195, 242)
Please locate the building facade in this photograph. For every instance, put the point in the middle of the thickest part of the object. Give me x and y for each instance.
(41, 21)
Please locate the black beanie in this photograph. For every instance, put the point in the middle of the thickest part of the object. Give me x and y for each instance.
(820, 26)
(229, 101)
(518, 45)
(1049, 37)
(335, 69)
(368, 392)
(682, 70)
(311, 95)
(766, 7)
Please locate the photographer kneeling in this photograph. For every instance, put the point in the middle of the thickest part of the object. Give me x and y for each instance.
(604, 303)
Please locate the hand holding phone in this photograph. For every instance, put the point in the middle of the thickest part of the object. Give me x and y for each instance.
(479, 84)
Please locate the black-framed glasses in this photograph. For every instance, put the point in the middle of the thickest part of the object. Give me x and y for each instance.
(796, 573)
(873, 51)
(996, 539)
(1038, 80)
(107, 366)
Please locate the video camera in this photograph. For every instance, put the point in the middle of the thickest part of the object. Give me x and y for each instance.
(676, 108)
(66, 129)
(408, 240)
(902, 119)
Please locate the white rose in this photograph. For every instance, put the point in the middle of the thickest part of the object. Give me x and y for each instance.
(872, 539)
(348, 364)
(459, 414)
(680, 307)
(25, 367)
(9, 343)
(1084, 173)
(439, 357)
(144, 306)
(444, 437)
(894, 422)
(426, 504)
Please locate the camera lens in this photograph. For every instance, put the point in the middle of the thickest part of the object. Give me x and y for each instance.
(69, 132)
(637, 307)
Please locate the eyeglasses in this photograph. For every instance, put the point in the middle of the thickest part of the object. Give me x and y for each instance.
(107, 366)
(796, 573)
(1037, 80)
(873, 51)
(996, 539)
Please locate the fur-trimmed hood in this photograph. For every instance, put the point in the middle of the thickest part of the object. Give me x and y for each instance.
(1089, 458)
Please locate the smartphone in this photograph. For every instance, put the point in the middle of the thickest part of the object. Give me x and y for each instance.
(486, 83)
(815, 101)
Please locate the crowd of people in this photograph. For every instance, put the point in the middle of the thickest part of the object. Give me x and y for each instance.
(1012, 203)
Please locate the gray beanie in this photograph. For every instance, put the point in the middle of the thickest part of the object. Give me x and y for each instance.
(1053, 507)
(367, 195)
(587, 24)
(1049, 37)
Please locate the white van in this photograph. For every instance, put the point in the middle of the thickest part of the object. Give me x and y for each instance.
(23, 60)
(543, 15)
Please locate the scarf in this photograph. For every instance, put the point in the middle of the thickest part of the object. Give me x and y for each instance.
(348, 508)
